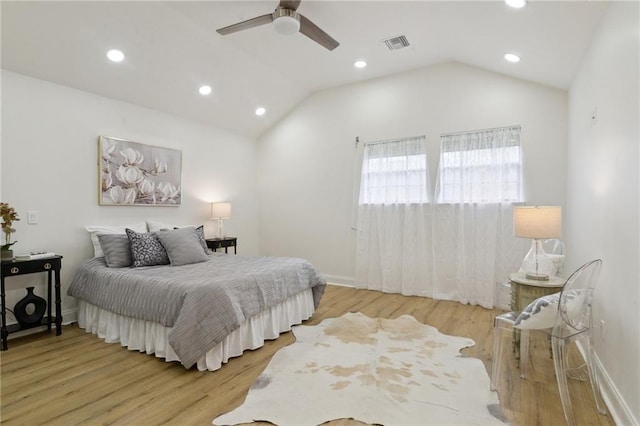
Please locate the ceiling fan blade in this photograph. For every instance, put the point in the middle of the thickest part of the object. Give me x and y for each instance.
(293, 4)
(312, 31)
(245, 25)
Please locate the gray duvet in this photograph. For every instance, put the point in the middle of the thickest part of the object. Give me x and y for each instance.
(202, 302)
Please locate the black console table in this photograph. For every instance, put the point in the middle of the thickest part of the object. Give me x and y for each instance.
(11, 268)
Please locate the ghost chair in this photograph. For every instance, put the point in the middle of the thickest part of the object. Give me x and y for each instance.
(554, 248)
(567, 317)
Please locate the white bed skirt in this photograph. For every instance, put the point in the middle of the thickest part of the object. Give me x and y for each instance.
(152, 338)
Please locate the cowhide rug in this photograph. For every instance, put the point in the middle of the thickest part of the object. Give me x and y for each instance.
(378, 371)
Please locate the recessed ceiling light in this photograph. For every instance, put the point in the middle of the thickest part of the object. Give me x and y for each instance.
(510, 57)
(115, 55)
(205, 90)
(360, 64)
(516, 3)
(260, 111)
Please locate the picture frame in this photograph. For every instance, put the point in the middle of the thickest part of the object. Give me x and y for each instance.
(136, 174)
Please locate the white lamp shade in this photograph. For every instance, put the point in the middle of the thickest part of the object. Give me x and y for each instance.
(220, 210)
(537, 221)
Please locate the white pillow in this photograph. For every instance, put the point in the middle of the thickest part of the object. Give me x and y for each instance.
(95, 230)
(154, 226)
(541, 313)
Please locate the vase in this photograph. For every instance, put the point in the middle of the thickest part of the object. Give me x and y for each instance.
(6, 254)
(30, 309)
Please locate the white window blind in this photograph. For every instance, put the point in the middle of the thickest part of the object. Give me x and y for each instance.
(481, 167)
(394, 172)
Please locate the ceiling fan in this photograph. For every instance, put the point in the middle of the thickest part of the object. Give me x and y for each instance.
(286, 20)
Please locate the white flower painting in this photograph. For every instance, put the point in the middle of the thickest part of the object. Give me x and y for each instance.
(136, 174)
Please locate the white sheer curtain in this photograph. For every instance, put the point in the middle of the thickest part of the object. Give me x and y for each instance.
(479, 178)
(393, 246)
(456, 248)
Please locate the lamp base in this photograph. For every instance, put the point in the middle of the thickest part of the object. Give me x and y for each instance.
(536, 277)
(221, 233)
(536, 265)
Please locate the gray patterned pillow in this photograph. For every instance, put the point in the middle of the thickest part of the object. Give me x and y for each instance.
(203, 242)
(116, 249)
(183, 246)
(146, 249)
(541, 313)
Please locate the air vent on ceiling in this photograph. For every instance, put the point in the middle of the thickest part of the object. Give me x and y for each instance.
(395, 43)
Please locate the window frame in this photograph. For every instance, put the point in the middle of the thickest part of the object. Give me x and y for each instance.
(511, 160)
(398, 173)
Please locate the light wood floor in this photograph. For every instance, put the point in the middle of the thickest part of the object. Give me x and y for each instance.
(76, 378)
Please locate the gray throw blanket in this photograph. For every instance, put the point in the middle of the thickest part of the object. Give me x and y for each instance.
(202, 302)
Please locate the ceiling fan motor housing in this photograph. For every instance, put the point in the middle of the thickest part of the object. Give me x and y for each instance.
(286, 21)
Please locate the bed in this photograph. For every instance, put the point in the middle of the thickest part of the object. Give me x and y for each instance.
(199, 314)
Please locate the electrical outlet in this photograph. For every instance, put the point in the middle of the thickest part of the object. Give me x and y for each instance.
(602, 329)
(32, 217)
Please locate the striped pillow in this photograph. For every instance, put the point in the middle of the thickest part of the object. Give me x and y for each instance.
(183, 246)
(199, 232)
(116, 249)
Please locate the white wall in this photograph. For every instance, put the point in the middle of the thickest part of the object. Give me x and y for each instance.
(603, 194)
(49, 164)
(307, 161)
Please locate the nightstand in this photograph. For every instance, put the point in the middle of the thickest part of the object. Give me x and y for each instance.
(50, 265)
(525, 291)
(225, 242)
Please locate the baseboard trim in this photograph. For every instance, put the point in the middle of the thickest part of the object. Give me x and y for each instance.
(341, 285)
(340, 280)
(68, 317)
(617, 406)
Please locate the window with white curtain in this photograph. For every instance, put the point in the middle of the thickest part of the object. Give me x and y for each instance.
(394, 172)
(481, 167)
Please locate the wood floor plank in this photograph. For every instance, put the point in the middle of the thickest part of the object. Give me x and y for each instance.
(76, 378)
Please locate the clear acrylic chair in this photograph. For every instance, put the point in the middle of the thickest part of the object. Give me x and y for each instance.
(554, 248)
(501, 324)
(573, 323)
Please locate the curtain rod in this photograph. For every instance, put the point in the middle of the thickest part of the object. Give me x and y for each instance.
(388, 140)
(481, 130)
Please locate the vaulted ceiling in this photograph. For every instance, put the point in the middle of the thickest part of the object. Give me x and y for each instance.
(172, 48)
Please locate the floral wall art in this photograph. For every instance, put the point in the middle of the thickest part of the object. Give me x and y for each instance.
(133, 173)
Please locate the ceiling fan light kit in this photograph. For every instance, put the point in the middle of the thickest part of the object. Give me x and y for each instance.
(286, 21)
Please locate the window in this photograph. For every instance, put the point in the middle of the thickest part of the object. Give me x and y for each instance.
(481, 167)
(394, 172)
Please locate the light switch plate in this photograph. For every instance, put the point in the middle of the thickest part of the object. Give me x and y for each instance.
(32, 217)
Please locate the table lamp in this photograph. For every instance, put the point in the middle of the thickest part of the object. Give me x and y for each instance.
(220, 211)
(537, 223)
